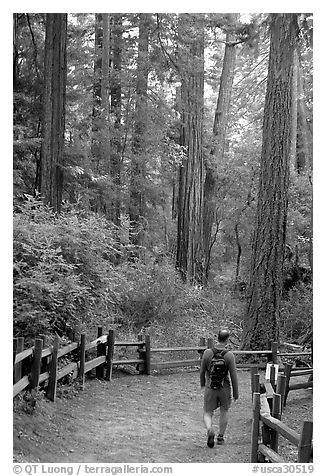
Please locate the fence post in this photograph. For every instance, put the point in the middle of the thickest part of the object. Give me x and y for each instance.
(287, 373)
(255, 384)
(253, 372)
(43, 337)
(255, 428)
(82, 357)
(44, 361)
(52, 387)
(265, 430)
(14, 349)
(148, 354)
(109, 355)
(274, 352)
(18, 367)
(312, 354)
(266, 439)
(210, 343)
(141, 353)
(36, 363)
(272, 376)
(101, 349)
(305, 448)
(276, 413)
(202, 343)
(71, 334)
(280, 388)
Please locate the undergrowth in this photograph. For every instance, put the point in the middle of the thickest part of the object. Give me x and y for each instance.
(72, 272)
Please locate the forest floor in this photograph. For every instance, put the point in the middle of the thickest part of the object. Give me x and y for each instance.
(142, 419)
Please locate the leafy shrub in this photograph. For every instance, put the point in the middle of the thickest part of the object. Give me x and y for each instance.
(296, 314)
(27, 401)
(155, 300)
(67, 276)
(62, 270)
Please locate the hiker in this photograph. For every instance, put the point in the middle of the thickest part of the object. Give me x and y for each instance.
(215, 379)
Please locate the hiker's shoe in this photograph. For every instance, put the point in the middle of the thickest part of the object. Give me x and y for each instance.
(210, 438)
(220, 440)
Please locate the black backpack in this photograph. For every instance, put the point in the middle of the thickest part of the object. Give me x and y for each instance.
(218, 369)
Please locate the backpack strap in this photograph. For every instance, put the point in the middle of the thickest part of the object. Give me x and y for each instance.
(222, 351)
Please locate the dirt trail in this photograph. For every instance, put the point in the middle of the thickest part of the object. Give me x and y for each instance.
(139, 419)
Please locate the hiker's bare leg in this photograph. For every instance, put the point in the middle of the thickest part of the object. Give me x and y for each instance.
(224, 416)
(208, 418)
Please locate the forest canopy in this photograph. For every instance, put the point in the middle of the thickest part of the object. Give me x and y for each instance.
(145, 146)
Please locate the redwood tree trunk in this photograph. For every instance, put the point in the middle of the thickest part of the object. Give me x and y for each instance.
(97, 146)
(55, 73)
(265, 286)
(189, 259)
(301, 146)
(97, 85)
(116, 90)
(15, 52)
(105, 66)
(137, 206)
(217, 151)
(293, 153)
(304, 137)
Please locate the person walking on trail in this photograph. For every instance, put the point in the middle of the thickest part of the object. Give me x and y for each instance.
(217, 367)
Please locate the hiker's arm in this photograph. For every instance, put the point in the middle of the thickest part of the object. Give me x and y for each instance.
(203, 367)
(233, 375)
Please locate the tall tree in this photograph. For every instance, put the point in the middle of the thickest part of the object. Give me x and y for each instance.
(304, 135)
(266, 273)
(217, 151)
(293, 154)
(116, 103)
(101, 129)
(53, 127)
(136, 208)
(189, 257)
(105, 65)
(15, 50)
(97, 92)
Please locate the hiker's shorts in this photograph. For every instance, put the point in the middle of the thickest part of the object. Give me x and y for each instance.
(217, 398)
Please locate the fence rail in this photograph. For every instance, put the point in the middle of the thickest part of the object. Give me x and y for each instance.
(271, 428)
(289, 373)
(39, 365)
(267, 424)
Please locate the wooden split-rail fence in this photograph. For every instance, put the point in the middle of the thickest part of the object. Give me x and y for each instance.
(45, 366)
(267, 425)
(290, 373)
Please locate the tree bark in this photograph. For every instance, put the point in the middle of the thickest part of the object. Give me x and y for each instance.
(97, 85)
(105, 66)
(137, 206)
(304, 139)
(116, 91)
(101, 131)
(97, 144)
(189, 257)
(293, 153)
(55, 74)
(239, 252)
(266, 273)
(15, 52)
(217, 151)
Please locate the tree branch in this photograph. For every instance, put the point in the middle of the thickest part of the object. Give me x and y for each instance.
(166, 53)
